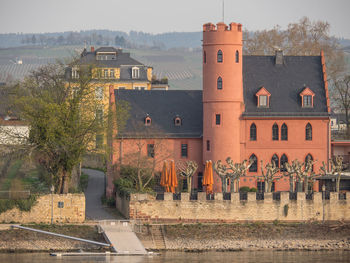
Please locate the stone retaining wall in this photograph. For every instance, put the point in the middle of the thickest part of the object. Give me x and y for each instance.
(144, 207)
(73, 210)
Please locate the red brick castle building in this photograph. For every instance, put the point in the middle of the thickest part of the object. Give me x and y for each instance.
(270, 108)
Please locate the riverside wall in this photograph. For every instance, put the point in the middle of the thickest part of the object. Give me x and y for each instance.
(146, 208)
(47, 207)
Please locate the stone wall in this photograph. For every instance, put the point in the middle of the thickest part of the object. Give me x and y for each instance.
(73, 210)
(146, 208)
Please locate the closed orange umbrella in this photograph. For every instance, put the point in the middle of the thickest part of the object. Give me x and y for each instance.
(208, 180)
(165, 177)
(172, 177)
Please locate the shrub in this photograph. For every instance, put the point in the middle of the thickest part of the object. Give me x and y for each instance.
(21, 204)
(244, 189)
(253, 189)
(83, 182)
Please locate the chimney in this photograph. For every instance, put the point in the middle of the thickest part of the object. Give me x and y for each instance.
(92, 49)
(279, 57)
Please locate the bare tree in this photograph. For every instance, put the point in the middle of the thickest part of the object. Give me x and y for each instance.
(238, 170)
(341, 98)
(299, 172)
(187, 169)
(302, 38)
(336, 169)
(269, 175)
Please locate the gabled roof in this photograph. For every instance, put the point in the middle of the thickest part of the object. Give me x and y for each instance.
(162, 107)
(263, 91)
(121, 59)
(284, 82)
(307, 91)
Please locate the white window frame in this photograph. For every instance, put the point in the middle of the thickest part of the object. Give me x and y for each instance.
(99, 93)
(135, 73)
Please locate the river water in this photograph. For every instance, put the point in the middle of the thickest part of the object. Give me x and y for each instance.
(172, 257)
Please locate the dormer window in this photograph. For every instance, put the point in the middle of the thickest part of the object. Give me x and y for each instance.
(135, 73)
(148, 121)
(307, 98)
(263, 98)
(177, 121)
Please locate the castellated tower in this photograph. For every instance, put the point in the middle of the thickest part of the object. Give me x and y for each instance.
(222, 93)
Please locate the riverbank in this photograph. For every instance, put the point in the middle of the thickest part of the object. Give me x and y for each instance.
(16, 240)
(190, 237)
(254, 236)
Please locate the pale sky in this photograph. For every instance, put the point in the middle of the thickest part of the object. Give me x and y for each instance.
(159, 16)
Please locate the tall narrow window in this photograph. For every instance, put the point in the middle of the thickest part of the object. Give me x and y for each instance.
(275, 132)
(308, 132)
(253, 132)
(208, 145)
(219, 83)
(217, 119)
(275, 160)
(237, 56)
(111, 73)
(220, 56)
(284, 160)
(150, 150)
(135, 72)
(262, 101)
(184, 150)
(309, 159)
(99, 93)
(284, 132)
(254, 161)
(307, 101)
(105, 73)
(204, 57)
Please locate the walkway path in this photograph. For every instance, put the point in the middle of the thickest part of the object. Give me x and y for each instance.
(93, 194)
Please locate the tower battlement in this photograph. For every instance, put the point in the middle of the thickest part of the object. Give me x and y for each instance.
(209, 27)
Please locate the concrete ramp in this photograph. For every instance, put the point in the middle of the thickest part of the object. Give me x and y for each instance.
(120, 234)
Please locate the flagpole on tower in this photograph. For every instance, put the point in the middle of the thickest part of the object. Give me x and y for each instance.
(223, 11)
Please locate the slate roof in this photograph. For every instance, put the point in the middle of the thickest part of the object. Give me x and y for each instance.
(162, 106)
(284, 82)
(121, 59)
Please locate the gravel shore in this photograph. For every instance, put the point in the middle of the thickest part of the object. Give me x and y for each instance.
(253, 236)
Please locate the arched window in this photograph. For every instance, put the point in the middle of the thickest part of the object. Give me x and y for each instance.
(204, 57)
(284, 159)
(284, 132)
(307, 159)
(219, 83)
(254, 160)
(275, 160)
(308, 132)
(237, 56)
(253, 132)
(220, 57)
(275, 132)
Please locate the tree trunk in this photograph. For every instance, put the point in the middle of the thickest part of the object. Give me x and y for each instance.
(306, 185)
(189, 184)
(291, 184)
(232, 186)
(300, 186)
(338, 183)
(65, 183)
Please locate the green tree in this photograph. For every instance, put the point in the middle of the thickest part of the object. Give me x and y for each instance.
(62, 119)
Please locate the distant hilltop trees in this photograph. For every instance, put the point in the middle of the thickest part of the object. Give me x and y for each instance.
(133, 39)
